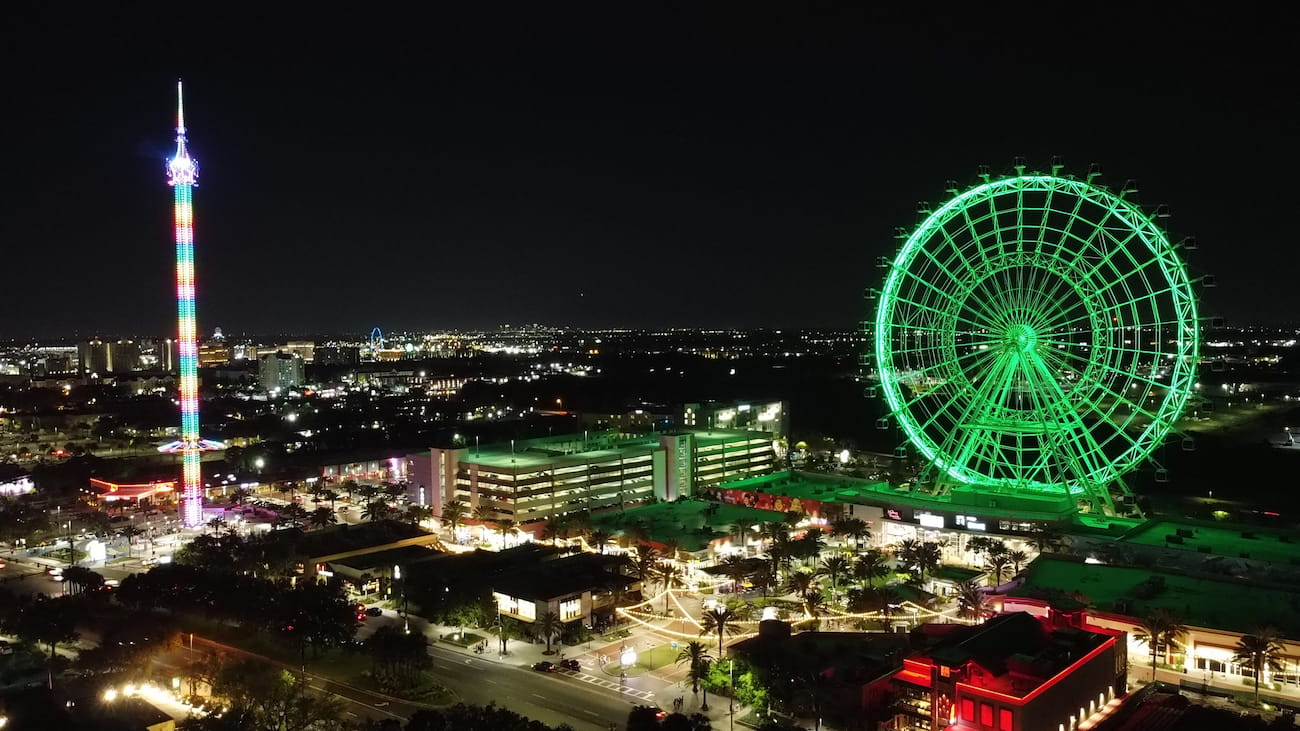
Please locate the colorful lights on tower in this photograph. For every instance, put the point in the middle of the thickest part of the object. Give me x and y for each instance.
(182, 173)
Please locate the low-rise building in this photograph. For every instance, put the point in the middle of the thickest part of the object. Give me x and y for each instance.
(1014, 672)
(1218, 611)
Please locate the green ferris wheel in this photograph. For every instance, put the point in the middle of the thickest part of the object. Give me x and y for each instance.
(1036, 334)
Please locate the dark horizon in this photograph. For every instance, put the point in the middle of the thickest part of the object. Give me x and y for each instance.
(604, 169)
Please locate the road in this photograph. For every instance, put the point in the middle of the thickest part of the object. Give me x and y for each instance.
(552, 698)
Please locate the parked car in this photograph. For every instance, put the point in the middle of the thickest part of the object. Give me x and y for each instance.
(570, 664)
(546, 667)
(374, 612)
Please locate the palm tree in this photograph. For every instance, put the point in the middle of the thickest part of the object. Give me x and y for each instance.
(418, 513)
(833, 568)
(216, 524)
(870, 566)
(810, 546)
(1160, 627)
(698, 656)
(739, 531)
(452, 514)
(971, 602)
(781, 551)
(719, 621)
(854, 528)
(1046, 539)
(771, 531)
(998, 564)
(1018, 559)
(670, 575)
(321, 518)
(733, 567)
(349, 486)
(484, 513)
(553, 530)
(327, 494)
(240, 495)
(647, 559)
(506, 525)
(598, 539)
(129, 533)
(814, 604)
(800, 583)
(765, 577)
(1259, 652)
(550, 626)
(376, 509)
(294, 513)
(671, 548)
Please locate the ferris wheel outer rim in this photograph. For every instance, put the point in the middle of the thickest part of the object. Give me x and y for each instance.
(1179, 389)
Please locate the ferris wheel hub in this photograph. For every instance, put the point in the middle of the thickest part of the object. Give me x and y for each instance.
(1021, 338)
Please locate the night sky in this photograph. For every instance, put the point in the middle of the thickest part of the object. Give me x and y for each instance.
(604, 167)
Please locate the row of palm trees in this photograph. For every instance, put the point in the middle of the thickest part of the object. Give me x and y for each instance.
(1257, 652)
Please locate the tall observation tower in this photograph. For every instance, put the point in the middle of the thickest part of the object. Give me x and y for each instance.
(182, 173)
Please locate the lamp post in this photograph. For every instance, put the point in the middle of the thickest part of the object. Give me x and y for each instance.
(731, 685)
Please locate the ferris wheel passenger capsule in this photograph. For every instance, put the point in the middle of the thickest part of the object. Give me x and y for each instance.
(1188, 243)
(882, 424)
(1162, 475)
(1189, 444)
(1208, 281)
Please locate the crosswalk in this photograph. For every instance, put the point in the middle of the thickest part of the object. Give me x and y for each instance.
(644, 695)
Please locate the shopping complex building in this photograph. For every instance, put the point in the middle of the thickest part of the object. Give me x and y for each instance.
(537, 479)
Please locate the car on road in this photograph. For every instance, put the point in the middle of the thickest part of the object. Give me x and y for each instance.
(3, 564)
(546, 666)
(374, 612)
(570, 664)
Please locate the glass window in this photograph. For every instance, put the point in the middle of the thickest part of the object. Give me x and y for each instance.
(1004, 719)
(986, 714)
(967, 709)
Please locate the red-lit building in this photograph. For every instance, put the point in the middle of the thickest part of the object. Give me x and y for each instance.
(1015, 672)
(154, 493)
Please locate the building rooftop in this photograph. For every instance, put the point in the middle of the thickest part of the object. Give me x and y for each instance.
(693, 524)
(1236, 541)
(562, 577)
(403, 557)
(1224, 604)
(1011, 653)
(583, 448)
(344, 538)
(844, 489)
(859, 657)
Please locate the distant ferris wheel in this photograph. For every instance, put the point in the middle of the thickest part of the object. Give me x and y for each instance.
(1036, 333)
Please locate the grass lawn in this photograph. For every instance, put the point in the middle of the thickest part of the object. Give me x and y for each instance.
(427, 692)
(646, 660)
(1227, 540)
(1227, 605)
(464, 639)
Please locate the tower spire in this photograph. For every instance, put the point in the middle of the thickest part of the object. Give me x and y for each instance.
(180, 108)
(181, 169)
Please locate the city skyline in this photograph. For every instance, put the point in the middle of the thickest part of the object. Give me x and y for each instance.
(701, 174)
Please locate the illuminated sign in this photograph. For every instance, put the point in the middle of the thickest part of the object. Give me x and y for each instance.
(893, 514)
(930, 520)
(975, 525)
